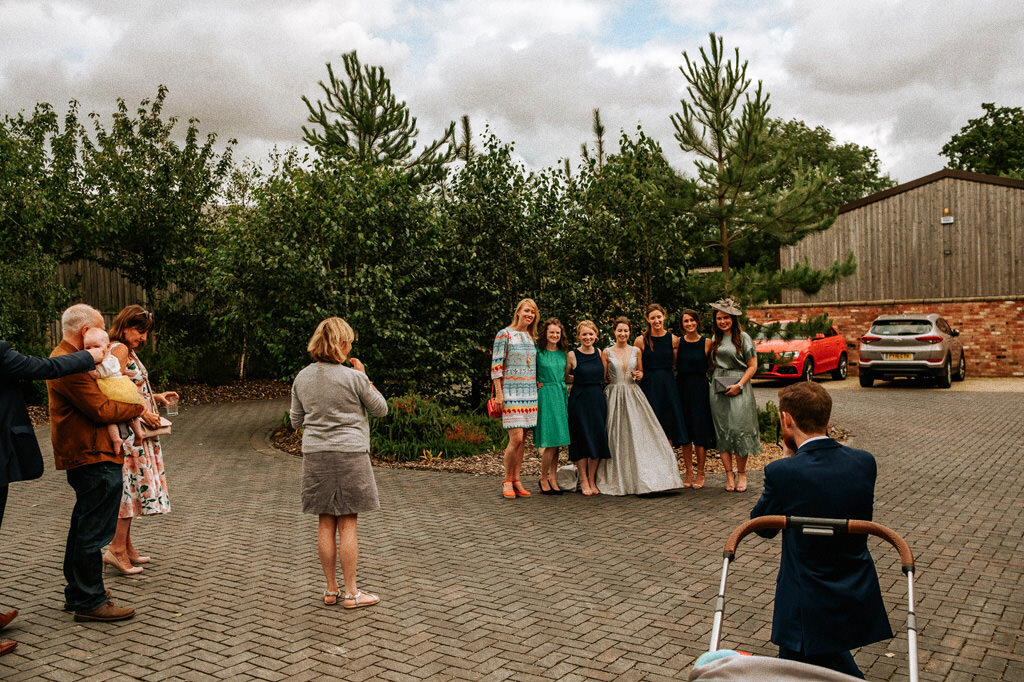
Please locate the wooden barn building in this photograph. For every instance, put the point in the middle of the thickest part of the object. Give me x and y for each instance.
(951, 243)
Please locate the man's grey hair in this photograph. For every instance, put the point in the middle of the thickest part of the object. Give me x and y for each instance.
(78, 316)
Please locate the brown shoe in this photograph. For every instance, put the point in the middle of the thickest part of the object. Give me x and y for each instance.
(69, 607)
(6, 618)
(106, 613)
(7, 647)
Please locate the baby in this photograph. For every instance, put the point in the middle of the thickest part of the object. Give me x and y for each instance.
(113, 384)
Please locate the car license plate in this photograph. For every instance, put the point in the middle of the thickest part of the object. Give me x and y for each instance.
(899, 356)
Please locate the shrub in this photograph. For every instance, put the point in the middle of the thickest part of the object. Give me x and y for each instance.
(768, 423)
(416, 427)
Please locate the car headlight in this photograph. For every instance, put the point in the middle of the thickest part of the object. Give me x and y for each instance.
(789, 355)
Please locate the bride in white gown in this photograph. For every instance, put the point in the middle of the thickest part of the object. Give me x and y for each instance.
(642, 460)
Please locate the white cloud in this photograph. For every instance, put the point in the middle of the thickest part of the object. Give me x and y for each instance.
(898, 76)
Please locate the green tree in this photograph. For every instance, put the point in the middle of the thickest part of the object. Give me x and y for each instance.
(361, 121)
(734, 180)
(850, 172)
(39, 192)
(992, 143)
(634, 239)
(150, 196)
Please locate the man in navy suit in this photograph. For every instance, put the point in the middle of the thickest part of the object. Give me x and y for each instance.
(827, 598)
(20, 459)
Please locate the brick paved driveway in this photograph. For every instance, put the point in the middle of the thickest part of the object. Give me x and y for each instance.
(476, 587)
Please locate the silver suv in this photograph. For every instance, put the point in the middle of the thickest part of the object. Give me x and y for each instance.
(911, 346)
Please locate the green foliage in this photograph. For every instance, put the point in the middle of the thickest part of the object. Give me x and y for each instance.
(735, 190)
(417, 428)
(768, 423)
(35, 192)
(993, 143)
(362, 122)
(148, 195)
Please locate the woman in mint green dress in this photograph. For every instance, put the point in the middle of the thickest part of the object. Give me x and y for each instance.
(552, 431)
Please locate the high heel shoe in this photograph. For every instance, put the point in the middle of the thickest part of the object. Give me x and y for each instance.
(549, 491)
(111, 560)
(507, 491)
(519, 489)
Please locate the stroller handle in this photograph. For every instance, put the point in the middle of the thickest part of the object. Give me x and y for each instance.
(816, 526)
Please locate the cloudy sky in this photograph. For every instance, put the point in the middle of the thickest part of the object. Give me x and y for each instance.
(900, 77)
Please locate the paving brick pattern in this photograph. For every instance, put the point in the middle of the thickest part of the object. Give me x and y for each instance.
(549, 588)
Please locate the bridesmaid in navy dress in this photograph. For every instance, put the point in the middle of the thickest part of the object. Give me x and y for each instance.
(692, 382)
(658, 347)
(588, 410)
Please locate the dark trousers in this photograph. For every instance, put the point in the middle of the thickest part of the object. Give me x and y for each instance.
(840, 661)
(93, 521)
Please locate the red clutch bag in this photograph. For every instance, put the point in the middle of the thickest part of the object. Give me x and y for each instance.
(493, 406)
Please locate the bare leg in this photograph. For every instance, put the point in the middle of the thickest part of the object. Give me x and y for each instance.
(137, 428)
(688, 465)
(741, 473)
(549, 464)
(730, 483)
(122, 538)
(592, 473)
(514, 460)
(514, 448)
(581, 470)
(349, 543)
(702, 455)
(328, 551)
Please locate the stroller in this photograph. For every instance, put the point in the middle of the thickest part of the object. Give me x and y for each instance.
(718, 664)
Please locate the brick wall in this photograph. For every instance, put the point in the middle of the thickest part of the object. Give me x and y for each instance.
(992, 331)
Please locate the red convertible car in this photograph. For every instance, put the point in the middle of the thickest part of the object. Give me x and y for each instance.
(801, 359)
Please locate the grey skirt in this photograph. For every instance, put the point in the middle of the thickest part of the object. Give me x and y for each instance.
(338, 483)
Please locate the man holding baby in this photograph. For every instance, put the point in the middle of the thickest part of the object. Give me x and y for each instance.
(82, 446)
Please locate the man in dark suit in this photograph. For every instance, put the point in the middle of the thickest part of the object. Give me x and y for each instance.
(20, 459)
(827, 597)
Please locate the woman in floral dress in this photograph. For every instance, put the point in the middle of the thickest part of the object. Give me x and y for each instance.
(145, 487)
(514, 375)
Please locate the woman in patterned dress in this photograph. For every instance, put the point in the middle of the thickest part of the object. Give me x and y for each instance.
(145, 487)
(514, 375)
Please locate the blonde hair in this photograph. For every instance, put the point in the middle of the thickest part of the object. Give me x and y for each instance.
(327, 340)
(586, 323)
(532, 329)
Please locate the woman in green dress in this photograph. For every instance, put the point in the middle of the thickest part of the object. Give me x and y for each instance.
(734, 360)
(552, 431)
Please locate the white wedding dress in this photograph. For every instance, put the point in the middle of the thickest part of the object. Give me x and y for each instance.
(642, 459)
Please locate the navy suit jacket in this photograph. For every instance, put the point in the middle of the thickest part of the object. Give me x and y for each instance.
(827, 597)
(20, 459)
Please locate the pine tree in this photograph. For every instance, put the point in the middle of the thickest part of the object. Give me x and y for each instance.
(726, 126)
(363, 122)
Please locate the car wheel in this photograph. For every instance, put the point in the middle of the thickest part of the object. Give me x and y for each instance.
(961, 372)
(808, 373)
(945, 380)
(866, 380)
(839, 373)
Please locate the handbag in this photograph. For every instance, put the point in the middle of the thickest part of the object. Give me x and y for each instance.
(722, 384)
(493, 406)
(148, 432)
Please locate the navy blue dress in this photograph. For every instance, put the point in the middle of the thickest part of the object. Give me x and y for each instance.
(692, 383)
(660, 389)
(588, 410)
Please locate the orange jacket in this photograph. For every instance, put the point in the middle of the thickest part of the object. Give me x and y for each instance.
(79, 413)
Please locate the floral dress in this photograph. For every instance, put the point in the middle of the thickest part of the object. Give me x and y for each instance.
(145, 487)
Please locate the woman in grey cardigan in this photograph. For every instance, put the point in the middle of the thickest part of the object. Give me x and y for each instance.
(329, 404)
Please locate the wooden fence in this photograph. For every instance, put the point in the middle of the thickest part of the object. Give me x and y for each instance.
(908, 247)
(104, 289)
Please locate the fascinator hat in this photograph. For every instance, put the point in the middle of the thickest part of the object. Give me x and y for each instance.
(727, 306)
